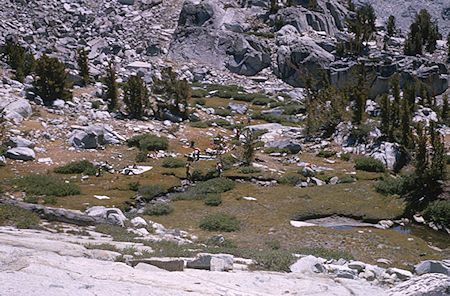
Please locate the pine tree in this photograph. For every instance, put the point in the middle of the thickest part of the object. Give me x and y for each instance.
(385, 126)
(444, 112)
(136, 96)
(83, 66)
(360, 94)
(438, 158)
(421, 160)
(51, 81)
(363, 25)
(248, 146)
(17, 58)
(448, 47)
(406, 135)
(423, 32)
(350, 5)
(394, 85)
(390, 26)
(112, 89)
(409, 94)
(173, 92)
(273, 6)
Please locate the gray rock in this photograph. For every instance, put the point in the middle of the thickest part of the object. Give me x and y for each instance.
(275, 112)
(334, 180)
(304, 55)
(292, 145)
(126, 2)
(388, 153)
(400, 273)
(21, 153)
(213, 262)
(238, 108)
(432, 266)
(111, 215)
(94, 135)
(425, 285)
(58, 104)
(308, 264)
(19, 142)
(15, 109)
(358, 265)
(317, 181)
(138, 221)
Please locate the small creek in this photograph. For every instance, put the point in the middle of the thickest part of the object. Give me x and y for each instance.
(436, 238)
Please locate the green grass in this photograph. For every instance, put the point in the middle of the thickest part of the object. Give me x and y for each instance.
(77, 167)
(213, 199)
(118, 233)
(326, 253)
(172, 162)
(21, 218)
(148, 142)
(216, 185)
(149, 192)
(439, 212)
(46, 185)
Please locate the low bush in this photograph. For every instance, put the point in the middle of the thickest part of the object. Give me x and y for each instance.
(326, 153)
(141, 156)
(249, 170)
(219, 122)
(345, 156)
(148, 142)
(202, 189)
(262, 101)
(276, 150)
(203, 175)
(199, 93)
(77, 167)
(275, 260)
(346, 179)
(199, 124)
(158, 209)
(21, 218)
(292, 179)
(369, 164)
(293, 109)
(249, 97)
(134, 186)
(228, 161)
(149, 192)
(398, 186)
(104, 246)
(118, 233)
(222, 112)
(46, 185)
(438, 211)
(200, 102)
(165, 248)
(172, 162)
(220, 222)
(273, 244)
(213, 199)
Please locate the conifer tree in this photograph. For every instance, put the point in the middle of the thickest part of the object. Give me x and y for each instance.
(438, 157)
(173, 92)
(390, 26)
(248, 146)
(444, 112)
(83, 66)
(394, 85)
(350, 5)
(360, 94)
(385, 126)
(136, 96)
(17, 57)
(363, 25)
(409, 94)
(406, 138)
(423, 32)
(51, 81)
(112, 89)
(448, 46)
(421, 160)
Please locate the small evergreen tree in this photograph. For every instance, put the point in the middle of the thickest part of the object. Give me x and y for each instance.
(423, 32)
(406, 135)
(385, 126)
(136, 96)
(444, 112)
(421, 160)
(173, 92)
(273, 6)
(51, 81)
(363, 25)
(448, 46)
(248, 146)
(17, 58)
(390, 26)
(438, 158)
(350, 5)
(83, 66)
(409, 94)
(360, 94)
(112, 90)
(394, 85)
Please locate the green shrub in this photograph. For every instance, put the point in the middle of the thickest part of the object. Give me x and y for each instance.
(249, 97)
(438, 211)
(326, 153)
(95, 104)
(200, 102)
(118, 233)
(369, 164)
(220, 222)
(134, 186)
(273, 244)
(398, 186)
(249, 170)
(275, 260)
(165, 248)
(203, 175)
(172, 162)
(293, 109)
(276, 150)
(213, 199)
(219, 122)
(262, 101)
(326, 253)
(3, 148)
(51, 200)
(346, 179)
(222, 112)
(141, 156)
(149, 192)
(199, 93)
(202, 189)
(77, 167)
(292, 179)
(228, 161)
(46, 185)
(148, 142)
(158, 209)
(346, 156)
(21, 218)
(104, 246)
(199, 124)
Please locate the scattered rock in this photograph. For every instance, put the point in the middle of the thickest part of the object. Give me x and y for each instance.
(21, 153)
(432, 266)
(213, 262)
(169, 264)
(425, 285)
(308, 264)
(111, 215)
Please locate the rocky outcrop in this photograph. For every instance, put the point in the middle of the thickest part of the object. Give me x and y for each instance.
(213, 262)
(15, 109)
(433, 266)
(92, 136)
(425, 285)
(19, 142)
(203, 36)
(21, 153)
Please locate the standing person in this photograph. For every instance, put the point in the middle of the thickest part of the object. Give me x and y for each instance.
(188, 171)
(219, 169)
(197, 154)
(249, 119)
